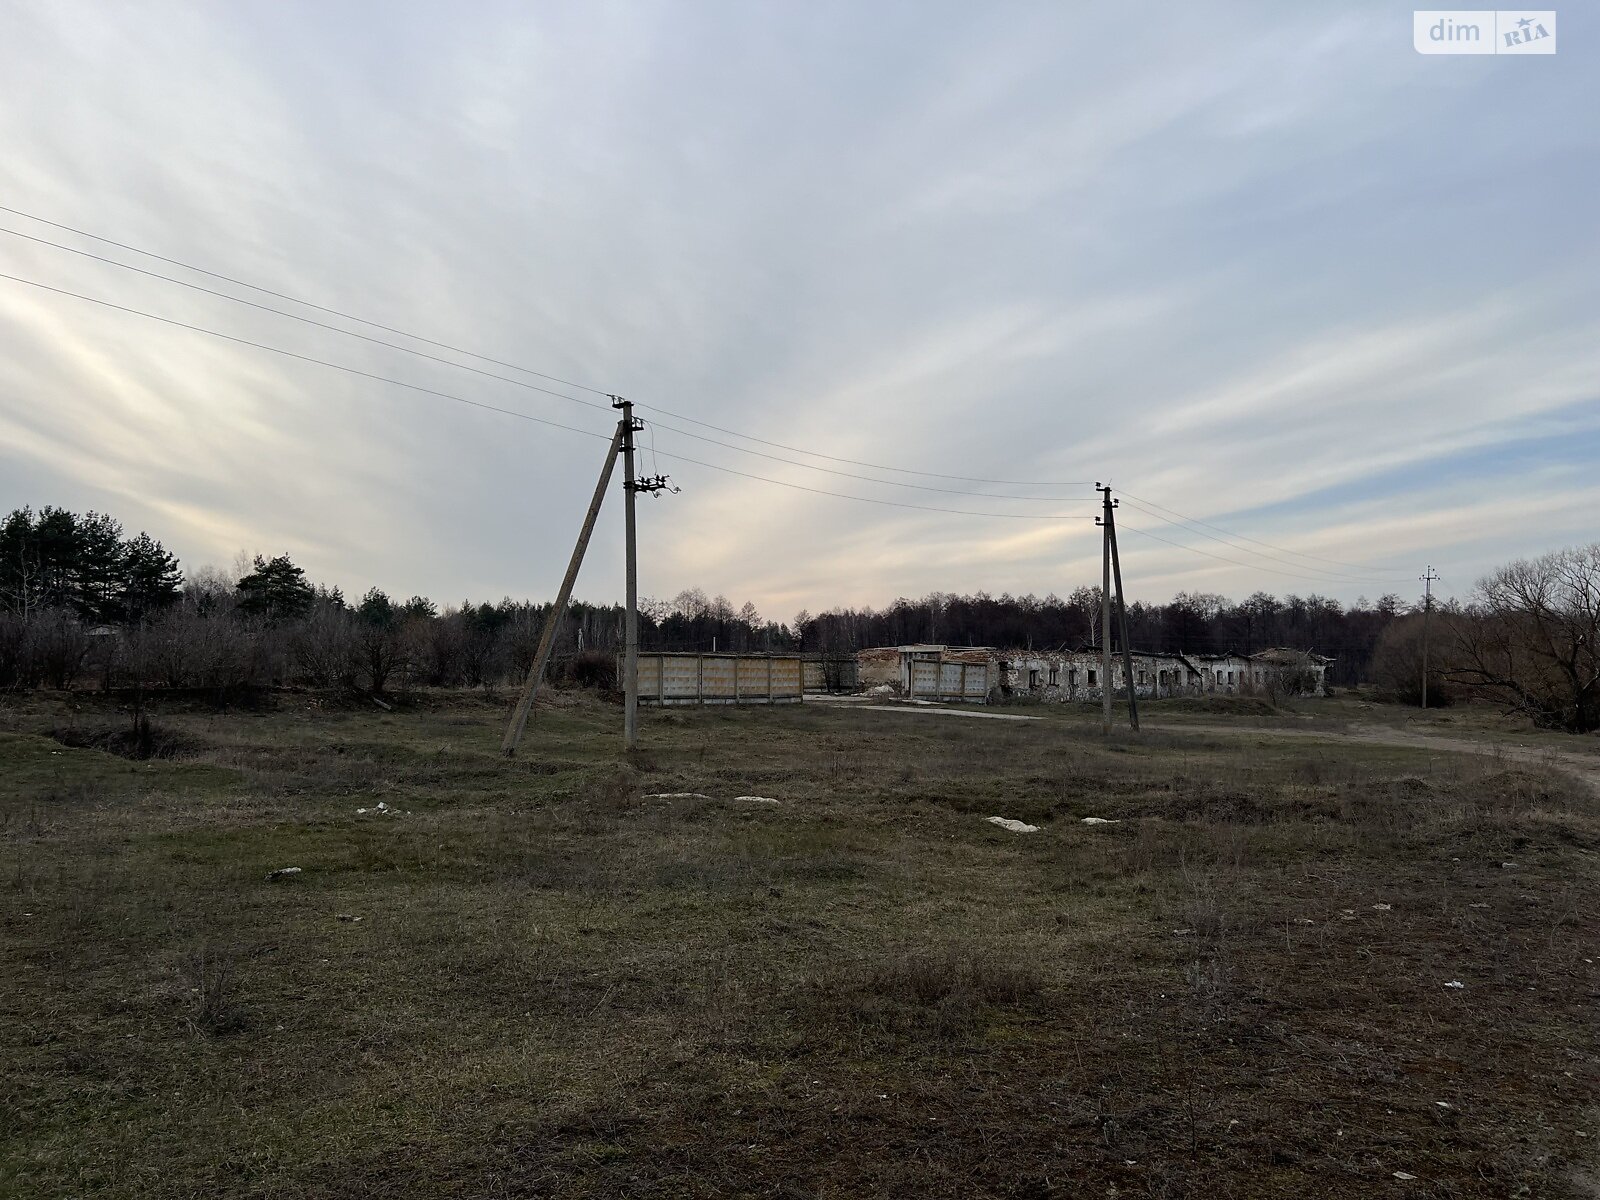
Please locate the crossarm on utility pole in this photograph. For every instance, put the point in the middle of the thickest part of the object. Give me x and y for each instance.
(547, 638)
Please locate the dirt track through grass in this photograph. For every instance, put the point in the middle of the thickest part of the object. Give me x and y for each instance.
(1584, 767)
(527, 979)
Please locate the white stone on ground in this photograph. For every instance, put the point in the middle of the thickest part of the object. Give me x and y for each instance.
(1013, 826)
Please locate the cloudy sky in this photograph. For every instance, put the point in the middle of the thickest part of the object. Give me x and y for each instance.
(1259, 264)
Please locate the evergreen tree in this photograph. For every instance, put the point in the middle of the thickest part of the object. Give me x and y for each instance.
(378, 644)
(151, 579)
(376, 609)
(276, 590)
(55, 540)
(97, 568)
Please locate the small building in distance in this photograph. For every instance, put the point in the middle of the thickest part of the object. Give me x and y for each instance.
(1290, 672)
(929, 672)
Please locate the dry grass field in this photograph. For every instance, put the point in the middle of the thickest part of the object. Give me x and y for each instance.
(531, 979)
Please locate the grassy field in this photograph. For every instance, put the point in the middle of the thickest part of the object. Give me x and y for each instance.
(533, 979)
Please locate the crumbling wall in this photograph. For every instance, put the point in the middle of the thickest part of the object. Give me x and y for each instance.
(1066, 675)
(878, 665)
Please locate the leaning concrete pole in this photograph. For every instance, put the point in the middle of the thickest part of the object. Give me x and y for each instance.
(1122, 617)
(547, 639)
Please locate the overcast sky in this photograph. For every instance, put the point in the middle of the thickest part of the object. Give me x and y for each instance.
(1262, 264)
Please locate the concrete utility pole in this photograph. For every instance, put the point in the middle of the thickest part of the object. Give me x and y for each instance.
(1122, 615)
(631, 487)
(547, 638)
(630, 638)
(1428, 577)
(1105, 612)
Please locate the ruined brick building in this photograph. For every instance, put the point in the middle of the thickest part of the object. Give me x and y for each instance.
(976, 673)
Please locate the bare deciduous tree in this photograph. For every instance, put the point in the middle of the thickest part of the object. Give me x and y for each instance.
(1531, 638)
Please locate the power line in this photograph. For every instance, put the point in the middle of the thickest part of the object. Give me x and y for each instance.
(501, 362)
(1235, 562)
(508, 379)
(869, 500)
(322, 362)
(921, 487)
(1331, 576)
(874, 466)
(1297, 554)
(297, 300)
(304, 319)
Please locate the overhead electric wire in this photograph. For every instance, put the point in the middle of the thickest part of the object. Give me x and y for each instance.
(858, 463)
(520, 382)
(891, 503)
(921, 487)
(322, 362)
(1323, 572)
(510, 365)
(1138, 501)
(254, 287)
(1241, 537)
(1235, 562)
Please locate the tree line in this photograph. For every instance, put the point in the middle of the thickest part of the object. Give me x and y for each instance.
(80, 601)
(1190, 623)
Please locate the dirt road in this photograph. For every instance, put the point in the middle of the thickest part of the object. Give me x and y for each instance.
(1584, 766)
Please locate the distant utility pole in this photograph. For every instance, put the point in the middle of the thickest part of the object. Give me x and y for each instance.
(1105, 611)
(1427, 610)
(1113, 568)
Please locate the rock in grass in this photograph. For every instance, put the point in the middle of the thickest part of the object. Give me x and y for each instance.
(1013, 826)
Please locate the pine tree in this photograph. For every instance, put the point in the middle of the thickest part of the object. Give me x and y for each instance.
(420, 606)
(276, 590)
(97, 570)
(55, 540)
(151, 579)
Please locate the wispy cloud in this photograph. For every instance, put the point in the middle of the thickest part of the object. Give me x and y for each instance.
(1264, 265)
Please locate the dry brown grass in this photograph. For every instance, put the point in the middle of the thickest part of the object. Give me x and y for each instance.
(533, 981)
